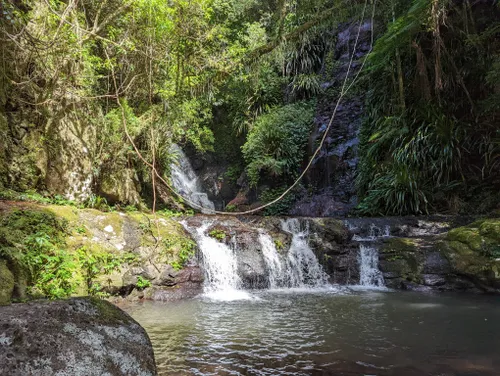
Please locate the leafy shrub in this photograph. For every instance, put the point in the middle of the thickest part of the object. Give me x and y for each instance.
(276, 144)
(142, 283)
(179, 250)
(395, 192)
(220, 235)
(35, 240)
(94, 263)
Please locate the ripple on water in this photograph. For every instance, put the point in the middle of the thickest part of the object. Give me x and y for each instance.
(334, 333)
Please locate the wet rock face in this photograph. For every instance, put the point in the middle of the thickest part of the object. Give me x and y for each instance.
(465, 258)
(77, 337)
(331, 241)
(333, 171)
(244, 238)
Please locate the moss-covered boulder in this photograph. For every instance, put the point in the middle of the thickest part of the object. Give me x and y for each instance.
(474, 252)
(82, 336)
(401, 261)
(464, 258)
(6, 283)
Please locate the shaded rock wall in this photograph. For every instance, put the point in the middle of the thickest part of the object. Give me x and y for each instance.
(60, 152)
(333, 171)
(465, 258)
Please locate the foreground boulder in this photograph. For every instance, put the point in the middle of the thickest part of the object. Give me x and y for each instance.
(77, 337)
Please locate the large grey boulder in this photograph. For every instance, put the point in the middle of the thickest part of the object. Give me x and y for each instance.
(75, 337)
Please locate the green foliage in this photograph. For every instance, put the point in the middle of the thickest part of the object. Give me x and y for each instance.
(179, 250)
(218, 234)
(279, 244)
(94, 263)
(283, 206)
(35, 240)
(175, 214)
(275, 146)
(231, 208)
(395, 192)
(34, 196)
(81, 230)
(429, 140)
(142, 283)
(233, 173)
(97, 202)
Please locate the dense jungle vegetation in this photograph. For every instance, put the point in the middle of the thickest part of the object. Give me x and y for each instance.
(240, 79)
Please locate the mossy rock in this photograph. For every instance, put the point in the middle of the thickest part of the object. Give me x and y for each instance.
(402, 257)
(490, 229)
(468, 236)
(331, 229)
(6, 283)
(474, 251)
(399, 246)
(481, 238)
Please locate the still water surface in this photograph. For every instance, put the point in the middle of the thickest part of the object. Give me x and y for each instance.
(329, 332)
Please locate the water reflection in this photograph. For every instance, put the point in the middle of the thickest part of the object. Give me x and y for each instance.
(338, 332)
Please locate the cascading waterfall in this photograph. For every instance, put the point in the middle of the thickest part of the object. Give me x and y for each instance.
(296, 268)
(273, 260)
(368, 258)
(220, 265)
(299, 267)
(302, 268)
(185, 181)
(370, 275)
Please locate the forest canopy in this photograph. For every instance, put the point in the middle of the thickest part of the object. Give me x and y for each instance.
(240, 79)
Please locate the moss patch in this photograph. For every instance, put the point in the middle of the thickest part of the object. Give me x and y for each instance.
(6, 283)
(402, 257)
(474, 250)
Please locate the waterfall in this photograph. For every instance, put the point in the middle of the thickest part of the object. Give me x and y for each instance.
(297, 268)
(368, 259)
(273, 260)
(302, 266)
(369, 273)
(220, 266)
(186, 183)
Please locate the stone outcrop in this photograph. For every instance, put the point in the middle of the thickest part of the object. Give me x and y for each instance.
(147, 252)
(77, 337)
(331, 241)
(466, 258)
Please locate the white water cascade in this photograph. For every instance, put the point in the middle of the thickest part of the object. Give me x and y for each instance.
(368, 258)
(273, 260)
(220, 265)
(369, 273)
(186, 183)
(297, 268)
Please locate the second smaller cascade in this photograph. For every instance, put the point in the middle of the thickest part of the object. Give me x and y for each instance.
(370, 275)
(299, 267)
